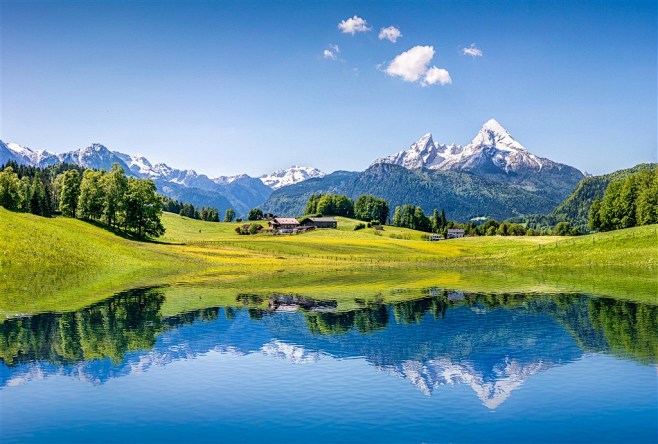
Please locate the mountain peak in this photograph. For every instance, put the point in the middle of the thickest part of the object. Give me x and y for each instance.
(494, 135)
(289, 176)
(495, 126)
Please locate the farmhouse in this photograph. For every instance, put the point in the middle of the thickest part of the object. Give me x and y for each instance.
(283, 224)
(320, 222)
(454, 233)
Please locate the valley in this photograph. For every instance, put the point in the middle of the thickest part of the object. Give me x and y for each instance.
(65, 264)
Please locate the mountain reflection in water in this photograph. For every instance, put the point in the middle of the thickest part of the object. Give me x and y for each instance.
(490, 342)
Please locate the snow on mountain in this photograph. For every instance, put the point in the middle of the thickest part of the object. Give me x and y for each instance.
(493, 150)
(289, 176)
(94, 156)
(492, 392)
(137, 163)
(23, 155)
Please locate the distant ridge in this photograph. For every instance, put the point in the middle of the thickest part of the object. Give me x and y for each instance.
(240, 192)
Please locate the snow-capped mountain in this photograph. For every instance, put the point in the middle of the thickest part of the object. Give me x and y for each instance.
(23, 155)
(492, 391)
(492, 151)
(290, 176)
(241, 192)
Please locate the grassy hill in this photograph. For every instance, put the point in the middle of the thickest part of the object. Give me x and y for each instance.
(62, 264)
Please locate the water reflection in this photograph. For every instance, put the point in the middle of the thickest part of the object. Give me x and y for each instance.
(490, 342)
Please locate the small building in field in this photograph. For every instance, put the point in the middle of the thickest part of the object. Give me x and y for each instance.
(283, 224)
(433, 237)
(319, 222)
(454, 233)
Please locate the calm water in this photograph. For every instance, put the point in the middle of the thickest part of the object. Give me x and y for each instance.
(447, 367)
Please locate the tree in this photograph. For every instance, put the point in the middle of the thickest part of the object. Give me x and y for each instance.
(594, 216)
(25, 194)
(335, 205)
(647, 202)
(92, 195)
(229, 215)
(435, 221)
(370, 208)
(562, 229)
(411, 216)
(115, 185)
(255, 214)
(10, 197)
(312, 204)
(143, 208)
(69, 192)
(39, 202)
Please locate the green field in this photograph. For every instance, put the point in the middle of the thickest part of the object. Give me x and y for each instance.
(62, 264)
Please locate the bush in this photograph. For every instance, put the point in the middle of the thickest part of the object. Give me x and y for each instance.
(359, 226)
(255, 228)
(238, 220)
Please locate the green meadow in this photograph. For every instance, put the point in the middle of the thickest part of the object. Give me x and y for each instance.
(61, 264)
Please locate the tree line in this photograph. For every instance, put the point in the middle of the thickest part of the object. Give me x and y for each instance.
(123, 203)
(35, 192)
(207, 214)
(626, 203)
(374, 209)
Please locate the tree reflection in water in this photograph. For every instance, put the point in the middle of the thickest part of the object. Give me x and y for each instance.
(133, 321)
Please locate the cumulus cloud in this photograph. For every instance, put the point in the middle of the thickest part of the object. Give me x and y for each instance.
(353, 25)
(331, 53)
(412, 64)
(472, 51)
(436, 75)
(392, 34)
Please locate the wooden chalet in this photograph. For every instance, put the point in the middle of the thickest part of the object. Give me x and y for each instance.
(320, 222)
(454, 233)
(283, 224)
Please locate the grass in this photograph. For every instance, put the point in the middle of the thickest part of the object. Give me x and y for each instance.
(63, 264)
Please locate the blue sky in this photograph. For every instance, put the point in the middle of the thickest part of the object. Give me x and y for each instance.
(246, 87)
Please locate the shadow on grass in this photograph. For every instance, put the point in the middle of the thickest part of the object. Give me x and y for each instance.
(122, 234)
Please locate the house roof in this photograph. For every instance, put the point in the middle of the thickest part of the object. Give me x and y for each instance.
(322, 219)
(286, 220)
(455, 230)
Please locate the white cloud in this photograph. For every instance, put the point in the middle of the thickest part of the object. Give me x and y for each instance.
(331, 53)
(436, 75)
(412, 64)
(392, 34)
(472, 51)
(353, 25)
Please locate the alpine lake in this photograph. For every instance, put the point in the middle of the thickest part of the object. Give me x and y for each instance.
(409, 358)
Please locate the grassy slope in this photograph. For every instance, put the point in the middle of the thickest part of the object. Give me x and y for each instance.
(74, 262)
(62, 264)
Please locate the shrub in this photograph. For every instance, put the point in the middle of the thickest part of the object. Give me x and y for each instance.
(359, 226)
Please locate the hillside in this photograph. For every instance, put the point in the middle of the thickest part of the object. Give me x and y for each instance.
(575, 208)
(463, 195)
(63, 264)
